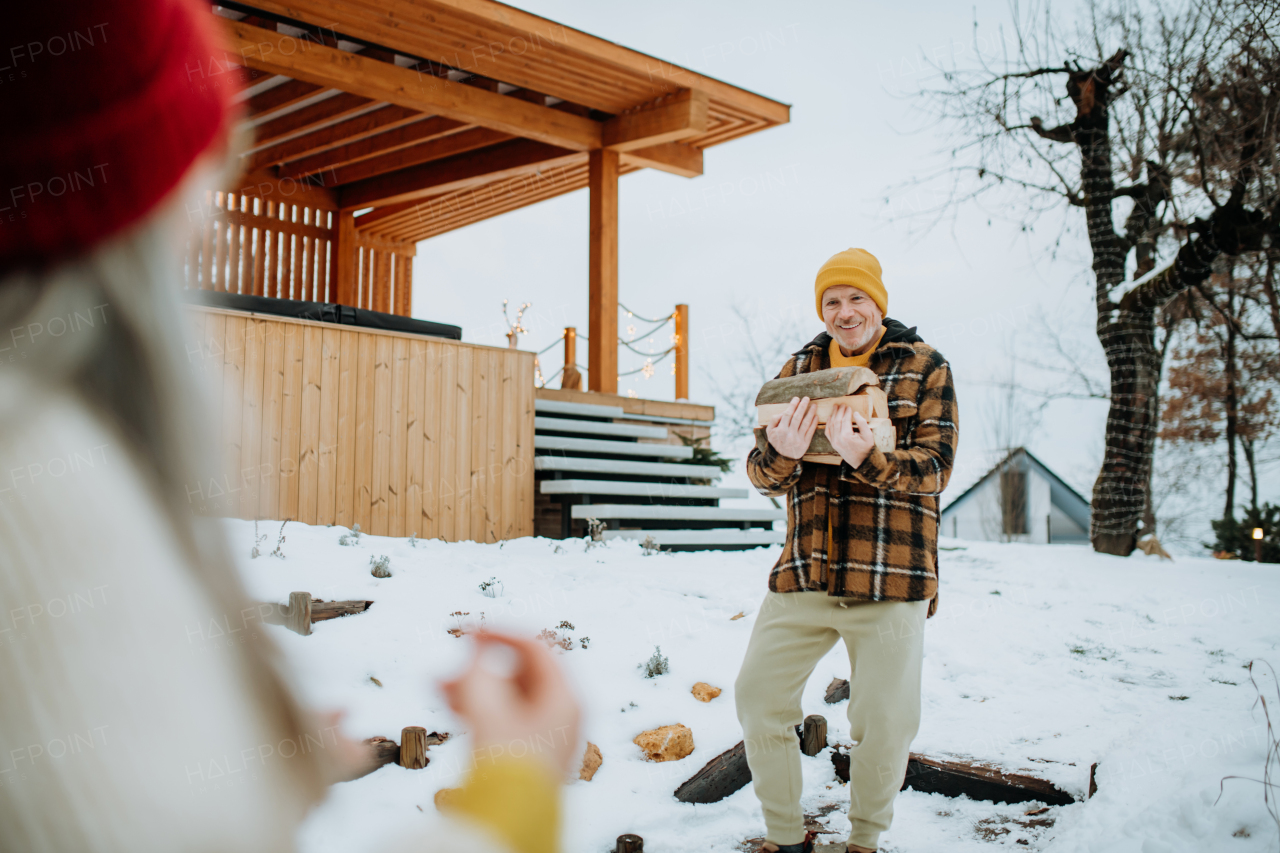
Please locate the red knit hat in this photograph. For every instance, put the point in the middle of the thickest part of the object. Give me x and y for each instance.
(106, 105)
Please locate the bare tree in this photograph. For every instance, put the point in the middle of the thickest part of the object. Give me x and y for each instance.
(1189, 100)
(760, 343)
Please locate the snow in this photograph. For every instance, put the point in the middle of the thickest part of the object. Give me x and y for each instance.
(1042, 659)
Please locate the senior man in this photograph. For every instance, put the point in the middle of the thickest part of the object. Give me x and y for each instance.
(859, 563)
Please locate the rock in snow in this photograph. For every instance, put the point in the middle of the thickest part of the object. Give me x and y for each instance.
(667, 743)
(704, 692)
(591, 762)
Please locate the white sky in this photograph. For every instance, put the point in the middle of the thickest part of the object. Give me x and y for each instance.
(771, 207)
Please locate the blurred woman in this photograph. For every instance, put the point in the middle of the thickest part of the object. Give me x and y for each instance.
(112, 720)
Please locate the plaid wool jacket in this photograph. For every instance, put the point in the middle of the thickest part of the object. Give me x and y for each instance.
(884, 513)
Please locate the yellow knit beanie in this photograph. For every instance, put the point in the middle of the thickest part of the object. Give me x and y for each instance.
(856, 268)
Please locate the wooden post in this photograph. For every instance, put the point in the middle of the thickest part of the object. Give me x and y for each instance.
(629, 844)
(571, 377)
(342, 271)
(413, 747)
(602, 313)
(814, 739)
(682, 352)
(298, 619)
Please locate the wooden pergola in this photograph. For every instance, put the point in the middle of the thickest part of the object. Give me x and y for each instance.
(377, 125)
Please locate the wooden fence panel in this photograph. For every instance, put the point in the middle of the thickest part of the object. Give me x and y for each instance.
(401, 434)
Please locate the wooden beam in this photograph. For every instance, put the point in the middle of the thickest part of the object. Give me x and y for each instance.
(343, 258)
(301, 59)
(434, 149)
(351, 130)
(286, 94)
(392, 140)
(488, 164)
(672, 117)
(267, 186)
(602, 311)
(674, 157)
(339, 106)
(682, 352)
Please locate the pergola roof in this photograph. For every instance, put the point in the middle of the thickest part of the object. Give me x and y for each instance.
(428, 115)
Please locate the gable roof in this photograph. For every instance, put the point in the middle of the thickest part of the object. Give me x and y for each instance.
(1061, 494)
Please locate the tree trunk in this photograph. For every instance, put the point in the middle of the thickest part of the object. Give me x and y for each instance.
(1246, 444)
(1232, 405)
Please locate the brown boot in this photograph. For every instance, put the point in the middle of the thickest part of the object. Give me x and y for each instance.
(805, 846)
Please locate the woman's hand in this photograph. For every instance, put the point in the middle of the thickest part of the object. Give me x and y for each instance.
(850, 436)
(792, 430)
(516, 701)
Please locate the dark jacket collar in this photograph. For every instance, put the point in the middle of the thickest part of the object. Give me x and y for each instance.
(894, 333)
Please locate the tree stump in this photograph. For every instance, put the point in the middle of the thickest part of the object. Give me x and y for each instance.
(629, 844)
(413, 747)
(298, 617)
(814, 739)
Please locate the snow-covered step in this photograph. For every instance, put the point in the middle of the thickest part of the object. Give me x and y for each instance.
(650, 512)
(634, 489)
(598, 428)
(617, 448)
(662, 419)
(705, 538)
(625, 467)
(582, 410)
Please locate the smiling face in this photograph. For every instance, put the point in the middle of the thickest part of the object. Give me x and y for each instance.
(851, 317)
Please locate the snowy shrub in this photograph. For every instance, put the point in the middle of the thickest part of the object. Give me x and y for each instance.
(492, 587)
(566, 625)
(413, 539)
(381, 566)
(650, 546)
(352, 537)
(584, 642)
(280, 542)
(656, 664)
(258, 541)
(552, 639)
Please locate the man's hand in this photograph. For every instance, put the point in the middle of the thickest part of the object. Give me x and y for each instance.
(791, 431)
(850, 436)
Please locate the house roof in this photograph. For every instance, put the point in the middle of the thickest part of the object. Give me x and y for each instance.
(1061, 494)
(427, 115)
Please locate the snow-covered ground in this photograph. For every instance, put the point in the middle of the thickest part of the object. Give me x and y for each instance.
(1042, 659)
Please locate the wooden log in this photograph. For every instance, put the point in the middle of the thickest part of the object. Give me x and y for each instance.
(820, 449)
(834, 382)
(629, 844)
(413, 747)
(870, 402)
(322, 610)
(837, 691)
(720, 777)
(978, 782)
(298, 616)
(814, 738)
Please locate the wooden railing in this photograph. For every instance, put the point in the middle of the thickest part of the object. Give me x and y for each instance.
(287, 249)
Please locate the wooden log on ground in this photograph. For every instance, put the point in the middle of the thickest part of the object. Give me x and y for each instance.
(413, 748)
(814, 738)
(629, 844)
(720, 777)
(298, 617)
(953, 778)
(322, 610)
(837, 691)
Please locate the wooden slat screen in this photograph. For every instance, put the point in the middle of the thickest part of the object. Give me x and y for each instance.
(384, 275)
(263, 247)
(397, 433)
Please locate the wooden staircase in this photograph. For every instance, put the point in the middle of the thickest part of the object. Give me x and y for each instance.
(600, 463)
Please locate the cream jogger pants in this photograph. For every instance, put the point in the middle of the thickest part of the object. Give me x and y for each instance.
(793, 631)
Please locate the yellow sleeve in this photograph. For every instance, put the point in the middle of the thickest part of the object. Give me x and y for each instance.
(516, 799)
